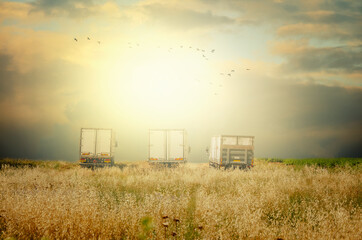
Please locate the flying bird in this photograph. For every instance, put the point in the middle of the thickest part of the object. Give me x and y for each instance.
(88, 38)
(229, 74)
(75, 39)
(248, 69)
(213, 50)
(99, 42)
(233, 70)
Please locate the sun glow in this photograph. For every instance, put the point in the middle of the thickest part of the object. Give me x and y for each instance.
(159, 79)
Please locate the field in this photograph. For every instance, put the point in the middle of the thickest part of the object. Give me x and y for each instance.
(58, 200)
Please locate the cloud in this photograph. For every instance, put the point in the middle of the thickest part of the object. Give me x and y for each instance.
(287, 120)
(31, 49)
(51, 86)
(323, 31)
(306, 120)
(70, 8)
(60, 142)
(13, 10)
(300, 57)
(184, 18)
(176, 15)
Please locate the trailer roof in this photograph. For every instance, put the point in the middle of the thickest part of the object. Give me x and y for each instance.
(166, 129)
(234, 136)
(98, 128)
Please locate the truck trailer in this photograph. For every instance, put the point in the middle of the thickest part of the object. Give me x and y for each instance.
(167, 147)
(96, 147)
(231, 151)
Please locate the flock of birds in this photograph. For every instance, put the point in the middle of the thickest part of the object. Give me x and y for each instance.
(88, 38)
(203, 52)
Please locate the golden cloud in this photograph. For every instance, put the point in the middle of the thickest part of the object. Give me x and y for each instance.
(311, 29)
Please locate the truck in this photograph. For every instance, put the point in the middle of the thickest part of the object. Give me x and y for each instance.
(96, 147)
(167, 147)
(231, 151)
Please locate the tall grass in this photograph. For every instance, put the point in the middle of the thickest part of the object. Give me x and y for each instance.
(270, 201)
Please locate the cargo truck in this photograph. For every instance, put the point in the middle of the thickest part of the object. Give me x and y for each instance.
(167, 147)
(96, 147)
(231, 151)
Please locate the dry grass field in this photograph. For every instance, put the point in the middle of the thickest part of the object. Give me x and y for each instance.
(63, 201)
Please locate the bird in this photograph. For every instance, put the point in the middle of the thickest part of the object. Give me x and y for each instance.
(99, 42)
(88, 38)
(203, 55)
(213, 50)
(233, 70)
(198, 49)
(75, 39)
(229, 74)
(203, 50)
(190, 47)
(248, 69)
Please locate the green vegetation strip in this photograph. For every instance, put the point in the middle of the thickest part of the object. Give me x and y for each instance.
(20, 163)
(320, 162)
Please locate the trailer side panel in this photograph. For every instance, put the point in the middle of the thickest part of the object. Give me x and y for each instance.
(157, 145)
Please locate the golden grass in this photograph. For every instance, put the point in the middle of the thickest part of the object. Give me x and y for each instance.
(271, 201)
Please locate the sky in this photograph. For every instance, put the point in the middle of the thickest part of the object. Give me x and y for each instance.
(287, 72)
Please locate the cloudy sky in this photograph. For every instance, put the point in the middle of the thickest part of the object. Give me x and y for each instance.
(295, 78)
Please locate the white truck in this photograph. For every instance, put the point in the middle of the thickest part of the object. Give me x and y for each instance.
(96, 147)
(231, 151)
(167, 147)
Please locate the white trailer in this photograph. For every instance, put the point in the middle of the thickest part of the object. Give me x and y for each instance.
(167, 146)
(96, 147)
(231, 151)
